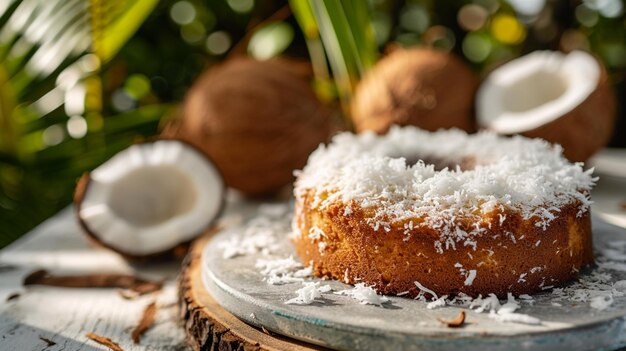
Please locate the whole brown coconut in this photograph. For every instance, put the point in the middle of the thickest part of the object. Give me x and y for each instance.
(257, 120)
(421, 87)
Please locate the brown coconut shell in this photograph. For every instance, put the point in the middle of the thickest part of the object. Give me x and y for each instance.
(585, 129)
(257, 120)
(422, 87)
(177, 252)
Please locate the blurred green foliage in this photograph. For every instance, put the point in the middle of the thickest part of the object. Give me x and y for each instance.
(82, 79)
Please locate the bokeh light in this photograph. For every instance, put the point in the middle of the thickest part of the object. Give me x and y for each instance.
(476, 47)
(121, 101)
(472, 17)
(586, 16)
(440, 37)
(382, 27)
(217, 43)
(607, 8)
(491, 6)
(77, 127)
(193, 33)
(241, 6)
(183, 12)
(137, 86)
(527, 8)
(415, 18)
(507, 29)
(89, 63)
(53, 135)
(270, 40)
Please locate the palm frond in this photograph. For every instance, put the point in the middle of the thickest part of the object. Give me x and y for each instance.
(345, 29)
(52, 57)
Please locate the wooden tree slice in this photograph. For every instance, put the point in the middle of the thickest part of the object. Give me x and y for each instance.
(208, 326)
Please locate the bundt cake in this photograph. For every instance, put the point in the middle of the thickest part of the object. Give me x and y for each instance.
(413, 211)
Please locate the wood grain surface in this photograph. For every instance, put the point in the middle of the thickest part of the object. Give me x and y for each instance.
(209, 327)
(65, 315)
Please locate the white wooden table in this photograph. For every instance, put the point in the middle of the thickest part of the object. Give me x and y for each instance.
(65, 315)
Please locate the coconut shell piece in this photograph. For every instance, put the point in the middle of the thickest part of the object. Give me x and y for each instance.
(146, 322)
(421, 87)
(97, 280)
(585, 129)
(257, 120)
(104, 341)
(457, 322)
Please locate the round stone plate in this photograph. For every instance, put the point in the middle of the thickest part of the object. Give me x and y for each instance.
(343, 323)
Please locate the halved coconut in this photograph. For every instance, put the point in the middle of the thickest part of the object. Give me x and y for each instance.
(563, 98)
(150, 199)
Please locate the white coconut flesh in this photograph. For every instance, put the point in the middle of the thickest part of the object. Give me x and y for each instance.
(535, 89)
(151, 197)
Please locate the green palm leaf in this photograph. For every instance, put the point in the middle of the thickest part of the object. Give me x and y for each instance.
(52, 57)
(345, 29)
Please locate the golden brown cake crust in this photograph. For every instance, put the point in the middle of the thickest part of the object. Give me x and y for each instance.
(513, 256)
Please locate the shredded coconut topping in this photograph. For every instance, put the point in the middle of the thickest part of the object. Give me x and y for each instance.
(527, 176)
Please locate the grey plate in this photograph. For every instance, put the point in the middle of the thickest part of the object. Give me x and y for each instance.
(341, 322)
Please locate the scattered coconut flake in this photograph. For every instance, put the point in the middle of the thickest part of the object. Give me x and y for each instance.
(325, 288)
(283, 271)
(260, 234)
(470, 278)
(620, 285)
(521, 278)
(308, 294)
(440, 302)
(557, 291)
(365, 294)
(426, 290)
(601, 302)
(506, 313)
(515, 318)
(490, 303)
(535, 270)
